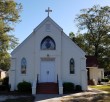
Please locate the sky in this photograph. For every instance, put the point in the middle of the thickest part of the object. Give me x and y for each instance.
(63, 13)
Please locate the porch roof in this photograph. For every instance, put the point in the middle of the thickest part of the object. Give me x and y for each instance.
(91, 61)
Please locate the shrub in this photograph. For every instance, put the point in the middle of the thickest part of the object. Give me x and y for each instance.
(105, 80)
(108, 77)
(2, 88)
(68, 87)
(24, 86)
(78, 88)
(5, 84)
(5, 81)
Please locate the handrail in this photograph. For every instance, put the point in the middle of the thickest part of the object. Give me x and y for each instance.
(37, 78)
(57, 78)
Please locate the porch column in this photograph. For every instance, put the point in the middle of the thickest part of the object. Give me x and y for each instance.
(34, 87)
(60, 85)
(83, 74)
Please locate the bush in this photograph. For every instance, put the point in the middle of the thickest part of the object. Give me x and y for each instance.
(108, 76)
(2, 88)
(5, 81)
(78, 88)
(5, 84)
(68, 87)
(24, 86)
(105, 80)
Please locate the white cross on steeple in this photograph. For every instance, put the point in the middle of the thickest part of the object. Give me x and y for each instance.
(49, 10)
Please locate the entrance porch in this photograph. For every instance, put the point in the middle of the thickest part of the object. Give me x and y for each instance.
(48, 79)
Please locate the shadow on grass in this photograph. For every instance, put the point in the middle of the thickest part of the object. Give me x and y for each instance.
(104, 98)
(101, 98)
(95, 98)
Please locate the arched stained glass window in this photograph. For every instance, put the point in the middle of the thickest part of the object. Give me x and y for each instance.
(48, 44)
(72, 66)
(23, 65)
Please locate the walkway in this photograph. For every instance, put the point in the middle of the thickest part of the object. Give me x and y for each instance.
(61, 98)
(77, 97)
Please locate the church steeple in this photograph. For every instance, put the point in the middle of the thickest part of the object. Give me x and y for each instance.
(48, 10)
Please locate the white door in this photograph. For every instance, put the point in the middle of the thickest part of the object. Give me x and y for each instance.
(47, 71)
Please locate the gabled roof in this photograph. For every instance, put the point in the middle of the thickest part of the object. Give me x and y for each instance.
(48, 19)
(40, 25)
(91, 61)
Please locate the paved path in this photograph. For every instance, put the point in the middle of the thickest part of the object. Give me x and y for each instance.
(4, 97)
(60, 98)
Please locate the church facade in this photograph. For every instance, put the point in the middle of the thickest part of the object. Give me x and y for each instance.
(48, 55)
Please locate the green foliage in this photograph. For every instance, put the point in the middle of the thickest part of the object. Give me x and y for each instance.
(95, 41)
(24, 86)
(108, 77)
(72, 35)
(9, 14)
(68, 87)
(105, 80)
(78, 88)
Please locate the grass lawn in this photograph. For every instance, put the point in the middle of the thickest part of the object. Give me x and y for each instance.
(102, 87)
(106, 98)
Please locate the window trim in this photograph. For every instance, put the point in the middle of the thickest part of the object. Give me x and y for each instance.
(48, 37)
(72, 64)
(23, 73)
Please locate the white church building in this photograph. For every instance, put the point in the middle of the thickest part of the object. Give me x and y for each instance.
(48, 55)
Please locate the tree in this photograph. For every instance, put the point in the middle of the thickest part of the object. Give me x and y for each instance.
(82, 40)
(9, 15)
(79, 40)
(96, 21)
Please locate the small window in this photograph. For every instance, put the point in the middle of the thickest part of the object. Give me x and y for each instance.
(71, 66)
(23, 66)
(48, 44)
